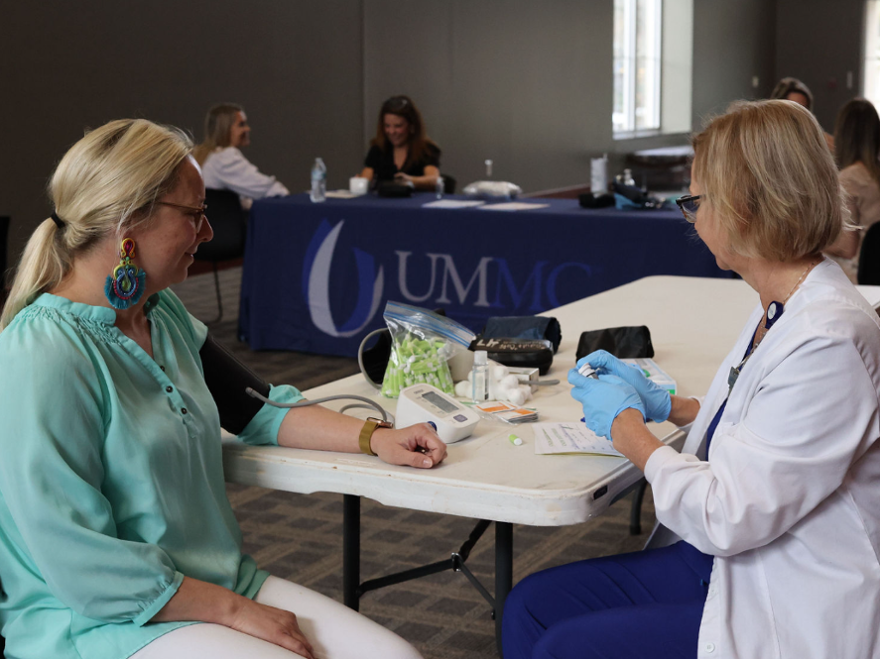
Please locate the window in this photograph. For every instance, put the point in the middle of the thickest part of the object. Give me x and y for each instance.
(871, 82)
(637, 64)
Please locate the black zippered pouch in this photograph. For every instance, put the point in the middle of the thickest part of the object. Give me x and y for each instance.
(526, 353)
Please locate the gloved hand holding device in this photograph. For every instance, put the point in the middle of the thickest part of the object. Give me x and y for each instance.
(603, 399)
(657, 402)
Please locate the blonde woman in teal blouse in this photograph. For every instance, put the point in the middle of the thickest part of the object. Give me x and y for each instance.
(115, 531)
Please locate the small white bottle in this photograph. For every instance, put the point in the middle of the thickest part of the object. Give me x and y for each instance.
(438, 187)
(480, 376)
(318, 192)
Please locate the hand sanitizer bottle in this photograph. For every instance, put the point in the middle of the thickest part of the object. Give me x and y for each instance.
(438, 187)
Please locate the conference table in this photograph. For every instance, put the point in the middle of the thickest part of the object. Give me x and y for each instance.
(316, 276)
(693, 322)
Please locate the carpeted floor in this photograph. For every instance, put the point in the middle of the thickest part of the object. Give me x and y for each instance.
(299, 537)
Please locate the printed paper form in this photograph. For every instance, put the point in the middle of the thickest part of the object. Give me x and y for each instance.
(341, 194)
(568, 438)
(453, 203)
(513, 206)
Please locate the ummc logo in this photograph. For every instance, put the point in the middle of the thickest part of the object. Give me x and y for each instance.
(492, 286)
(316, 283)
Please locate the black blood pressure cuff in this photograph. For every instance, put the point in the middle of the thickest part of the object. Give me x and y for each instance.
(227, 378)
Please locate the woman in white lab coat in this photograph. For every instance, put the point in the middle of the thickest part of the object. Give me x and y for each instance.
(773, 500)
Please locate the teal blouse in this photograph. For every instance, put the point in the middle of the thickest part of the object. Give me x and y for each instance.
(111, 479)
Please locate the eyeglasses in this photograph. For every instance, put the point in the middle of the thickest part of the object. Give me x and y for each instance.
(689, 205)
(197, 212)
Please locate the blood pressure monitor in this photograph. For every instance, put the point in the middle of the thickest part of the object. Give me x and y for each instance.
(422, 403)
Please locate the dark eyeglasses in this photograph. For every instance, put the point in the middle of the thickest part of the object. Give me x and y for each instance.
(689, 205)
(197, 212)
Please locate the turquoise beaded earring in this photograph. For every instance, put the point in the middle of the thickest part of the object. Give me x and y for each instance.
(125, 285)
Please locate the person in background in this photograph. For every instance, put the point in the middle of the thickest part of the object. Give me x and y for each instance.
(224, 167)
(770, 520)
(116, 534)
(857, 147)
(402, 150)
(792, 89)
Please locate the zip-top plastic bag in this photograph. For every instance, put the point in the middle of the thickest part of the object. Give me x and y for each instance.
(421, 343)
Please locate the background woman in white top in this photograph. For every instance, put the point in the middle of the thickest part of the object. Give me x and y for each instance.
(857, 146)
(224, 167)
(773, 498)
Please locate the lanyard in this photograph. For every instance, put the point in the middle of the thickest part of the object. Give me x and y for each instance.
(774, 313)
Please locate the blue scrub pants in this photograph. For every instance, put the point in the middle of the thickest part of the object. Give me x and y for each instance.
(629, 606)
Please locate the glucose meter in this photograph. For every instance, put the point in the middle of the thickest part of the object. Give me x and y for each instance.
(422, 403)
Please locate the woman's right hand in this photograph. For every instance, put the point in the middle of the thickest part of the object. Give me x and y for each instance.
(274, 625)
(656, 400)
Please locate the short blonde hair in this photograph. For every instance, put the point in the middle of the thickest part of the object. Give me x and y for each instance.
(108, 182)
(766, 171)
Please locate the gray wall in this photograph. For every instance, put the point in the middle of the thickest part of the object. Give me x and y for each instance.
(527, 84)
(294, 65)
(733, 42)
(819, 41)
(523, 82)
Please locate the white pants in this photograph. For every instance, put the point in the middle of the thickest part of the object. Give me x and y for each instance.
(334, 630)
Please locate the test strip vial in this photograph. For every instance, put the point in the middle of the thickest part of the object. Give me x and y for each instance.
(480, 376)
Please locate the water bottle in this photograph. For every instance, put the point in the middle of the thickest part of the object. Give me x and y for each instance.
(319, 181)
(480, 376)
(439, 187)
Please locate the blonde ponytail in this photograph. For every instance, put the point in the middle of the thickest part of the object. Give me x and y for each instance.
(106, 183)
(41, 268)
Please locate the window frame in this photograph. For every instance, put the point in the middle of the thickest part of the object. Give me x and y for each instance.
(628, 63)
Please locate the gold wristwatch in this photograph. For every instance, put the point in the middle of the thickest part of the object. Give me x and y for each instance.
(367, 431)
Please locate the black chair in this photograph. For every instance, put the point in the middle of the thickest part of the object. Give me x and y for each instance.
(229, 222)
(869, 257)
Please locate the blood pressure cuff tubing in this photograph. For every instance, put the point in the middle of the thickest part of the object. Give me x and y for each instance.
(227, 378)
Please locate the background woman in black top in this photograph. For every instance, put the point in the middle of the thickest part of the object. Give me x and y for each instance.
(401, 150)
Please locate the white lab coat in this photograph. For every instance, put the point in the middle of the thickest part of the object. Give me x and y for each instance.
(228, 169)
(789, 500)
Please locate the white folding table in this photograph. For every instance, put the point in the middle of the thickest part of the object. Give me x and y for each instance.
(693, 322)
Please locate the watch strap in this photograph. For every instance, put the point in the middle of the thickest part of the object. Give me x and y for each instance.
(367, 431)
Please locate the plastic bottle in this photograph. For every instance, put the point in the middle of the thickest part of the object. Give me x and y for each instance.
(480, 376)
(628, 177)
(439, 187)
(489, 169)
(319, 181)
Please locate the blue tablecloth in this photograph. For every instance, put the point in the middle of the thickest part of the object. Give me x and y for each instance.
(317, 276)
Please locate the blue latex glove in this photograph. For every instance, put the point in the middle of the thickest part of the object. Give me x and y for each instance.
(603, 400)
(657, 402)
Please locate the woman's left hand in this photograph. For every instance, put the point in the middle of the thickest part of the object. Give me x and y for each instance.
(603, 399)
(415, 446)
(403, 179)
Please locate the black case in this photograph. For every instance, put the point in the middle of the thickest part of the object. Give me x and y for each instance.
(622, 342)
(524, 353)
(392, 189)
